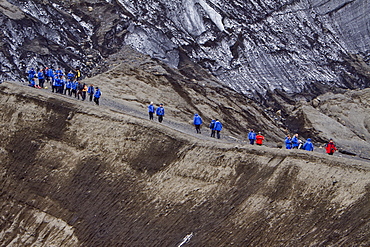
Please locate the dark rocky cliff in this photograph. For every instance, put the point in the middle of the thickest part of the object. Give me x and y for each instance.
(311, 46)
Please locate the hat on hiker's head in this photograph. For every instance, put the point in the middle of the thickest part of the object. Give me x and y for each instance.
(151, 103)
(161, 104)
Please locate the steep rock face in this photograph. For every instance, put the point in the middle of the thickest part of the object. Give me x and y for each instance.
(295, 46)
(74, 174)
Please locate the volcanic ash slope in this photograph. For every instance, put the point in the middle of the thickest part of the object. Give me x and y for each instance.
(74, 174)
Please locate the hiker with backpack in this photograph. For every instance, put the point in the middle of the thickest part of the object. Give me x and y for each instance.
(97, 95)
(330, 147)
(151, 110)
(212, 128)
(218, 128)
(79, 89)
(160, 113)
(288, 142)
(308, 146)
(197, 121)
(90, 92)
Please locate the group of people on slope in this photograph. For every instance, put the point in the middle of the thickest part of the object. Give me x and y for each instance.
(215, 125)
(255, 138)
(295, 143)
(159, 111)
(64, 84)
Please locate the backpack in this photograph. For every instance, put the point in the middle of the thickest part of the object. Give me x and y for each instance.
(212, 125)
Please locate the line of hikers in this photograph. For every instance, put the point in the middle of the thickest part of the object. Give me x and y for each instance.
(216, 127)
(295, 143)
(64, 84)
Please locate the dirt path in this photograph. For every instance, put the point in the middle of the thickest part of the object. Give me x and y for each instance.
(183, 127)
(170, 123)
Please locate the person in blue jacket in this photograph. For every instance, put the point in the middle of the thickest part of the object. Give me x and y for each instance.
(56, 84)
(295, 142)
(40, 77)
(288, 142)
(160, 113)
(197, 122)
(68, 88)
(151, 110)
(32, 82)
(59, 72)
(308, 146)
(90, 91)
(74, 88)
(97, 95)
(218, 128)
(70, 75)
(62, 82)
(252, 136)
(49, 75)
(212, 128)
(31, 74)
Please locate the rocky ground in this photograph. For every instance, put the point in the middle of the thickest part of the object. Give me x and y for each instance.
(76, 174)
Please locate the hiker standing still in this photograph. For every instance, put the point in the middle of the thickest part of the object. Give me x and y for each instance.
(151, 110)
(251, 136)
(160, 113)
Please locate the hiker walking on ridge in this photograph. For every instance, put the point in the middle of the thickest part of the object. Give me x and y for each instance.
(49, 75)
(218, 128)
(78, 74)
(288, 142)
(84, 91)
(251, 136)
(67, 90)
(308, 146)
(330, 147)
(259, 139)
(90, 92)
(197, 122)
(41, 78)
(160, 113)
(212, 127)
(295, 142)
(31, 75)
(97, 95)
(70, 75)
(151, 110)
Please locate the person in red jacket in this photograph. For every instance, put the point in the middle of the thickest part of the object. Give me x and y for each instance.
(330, 147)
(259, 139)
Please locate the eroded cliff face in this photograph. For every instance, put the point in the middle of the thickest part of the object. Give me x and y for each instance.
(73, 174)
(310, 46)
